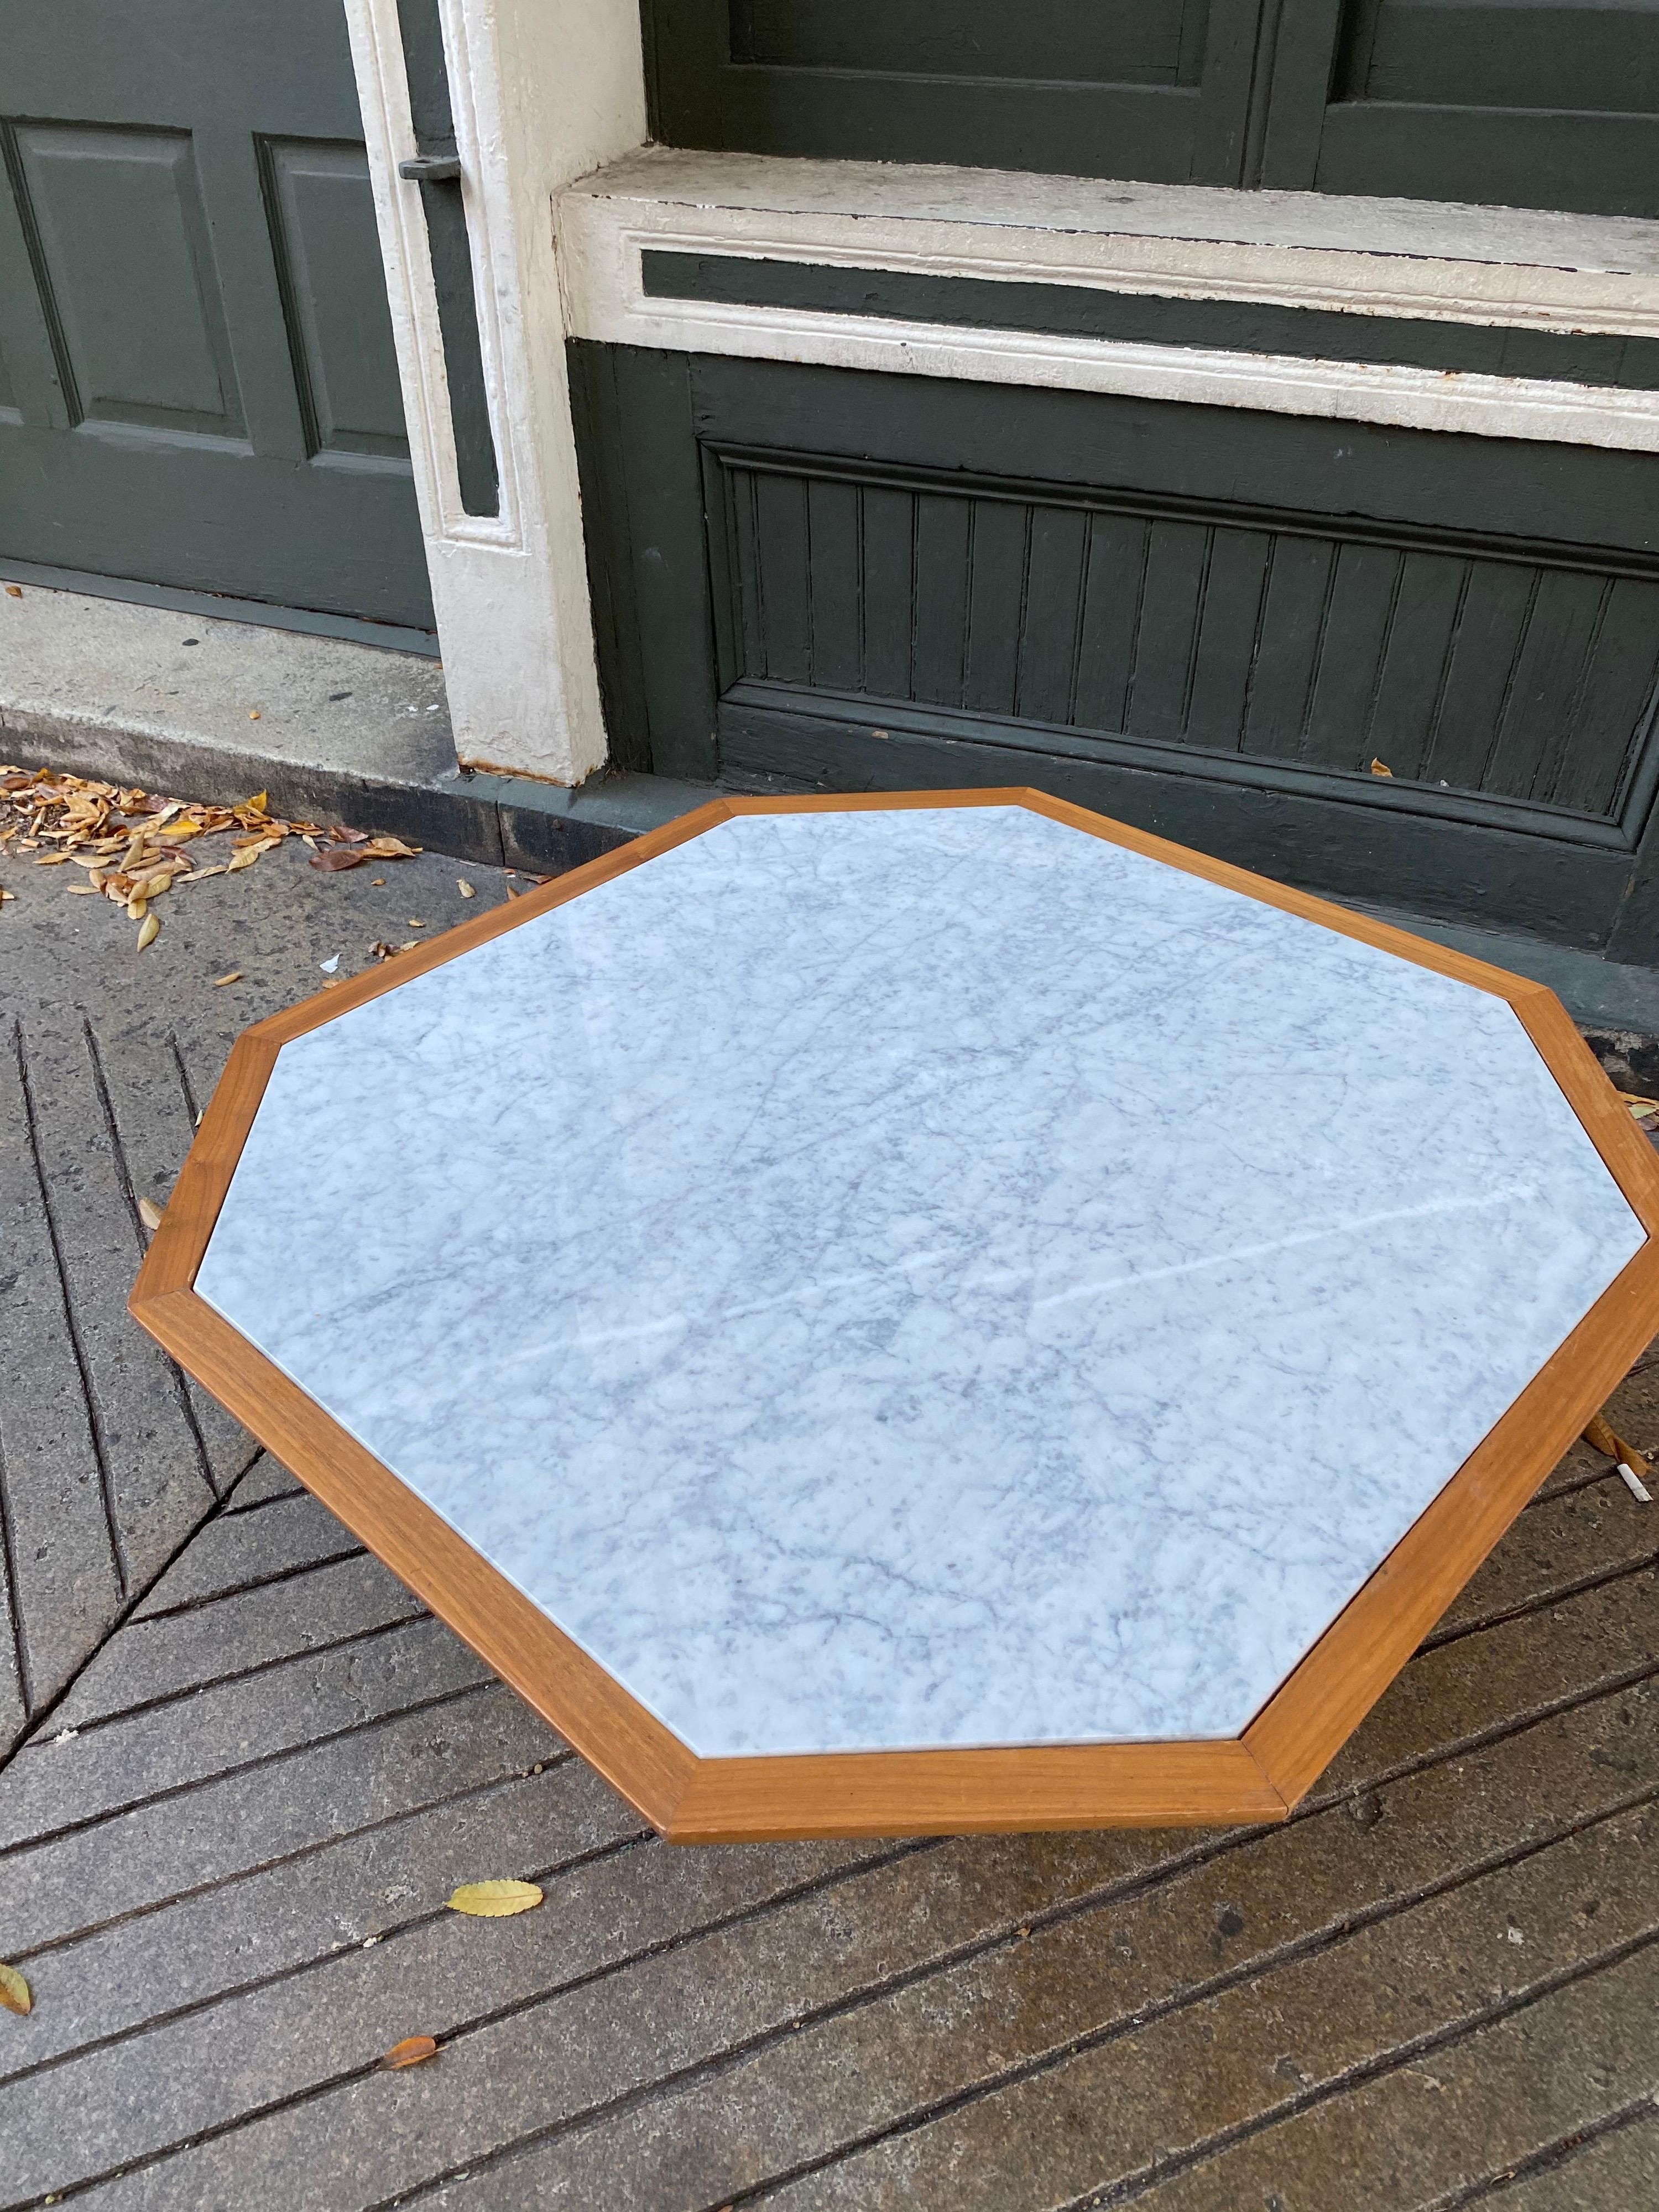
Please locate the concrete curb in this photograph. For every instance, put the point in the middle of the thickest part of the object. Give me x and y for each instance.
(512, 821)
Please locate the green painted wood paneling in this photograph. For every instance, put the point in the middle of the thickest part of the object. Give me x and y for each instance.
(1153, 87)
(1146, 319)
(1534, 103)
(1520, 103)
(203, 390)
(1213, 620)
(1510, 678)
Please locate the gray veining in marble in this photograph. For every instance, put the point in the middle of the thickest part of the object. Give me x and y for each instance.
(921, 1278)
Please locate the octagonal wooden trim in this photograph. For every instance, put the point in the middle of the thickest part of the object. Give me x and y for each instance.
(1257, 1777)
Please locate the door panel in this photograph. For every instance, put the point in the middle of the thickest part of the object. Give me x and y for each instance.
(193, 312)
(127, 284)
(1524, 103)
(1113, 42)
(329, 264)
(1153, 89)
(1531, 103)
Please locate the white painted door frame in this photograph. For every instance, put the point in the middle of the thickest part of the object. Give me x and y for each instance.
(542, 91)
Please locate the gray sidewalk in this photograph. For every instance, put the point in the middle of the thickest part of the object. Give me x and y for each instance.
(256, 1769)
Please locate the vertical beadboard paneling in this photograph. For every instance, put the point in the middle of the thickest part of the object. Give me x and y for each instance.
(888, 528)
(834, 552)
(1450, 660)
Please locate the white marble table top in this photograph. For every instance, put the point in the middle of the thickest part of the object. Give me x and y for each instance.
(921, 1278)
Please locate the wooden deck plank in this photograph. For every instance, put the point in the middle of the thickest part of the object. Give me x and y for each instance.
(842, 1949)
(62, 1570)
(56, 1784)
(288, 1534)
(266, 1480)
(152, 1459)
(381, 1768)
(1615, 2171)
(1560, 1543)
(1159, 2097)
(141, 1093)
(247, 1929)
(919, 2039)
(1459, 2116)
(334, 1602)
(107, 1457)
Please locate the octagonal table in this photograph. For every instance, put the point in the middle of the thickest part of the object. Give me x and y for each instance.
(930, 1312)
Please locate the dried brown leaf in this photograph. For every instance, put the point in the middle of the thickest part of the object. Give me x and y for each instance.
(1381, 767)
(51, 859)
(150, 1214)
(337, 857)
(408, 2052)
(235, 976)
(15, 1992)
(244, 858)
(149, 930)
(494, 1900)
(464, 888)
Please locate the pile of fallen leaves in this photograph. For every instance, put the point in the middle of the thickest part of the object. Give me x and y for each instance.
(133, 846)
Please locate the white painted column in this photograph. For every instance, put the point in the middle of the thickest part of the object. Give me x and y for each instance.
(543, 91)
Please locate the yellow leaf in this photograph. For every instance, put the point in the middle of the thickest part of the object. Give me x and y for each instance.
(1381, 767)
(235, 976)
(494, 1900)
(149, 930)
(150, 1214)
(51, 859)
(464, 888)
(138, 908)
(244, 858)
(15, 1992)
(408, 2052)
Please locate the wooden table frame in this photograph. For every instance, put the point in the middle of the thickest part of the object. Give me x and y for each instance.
(1255, 1777)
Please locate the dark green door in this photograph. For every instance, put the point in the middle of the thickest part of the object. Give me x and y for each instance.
(198, 384)
(1530, 103)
